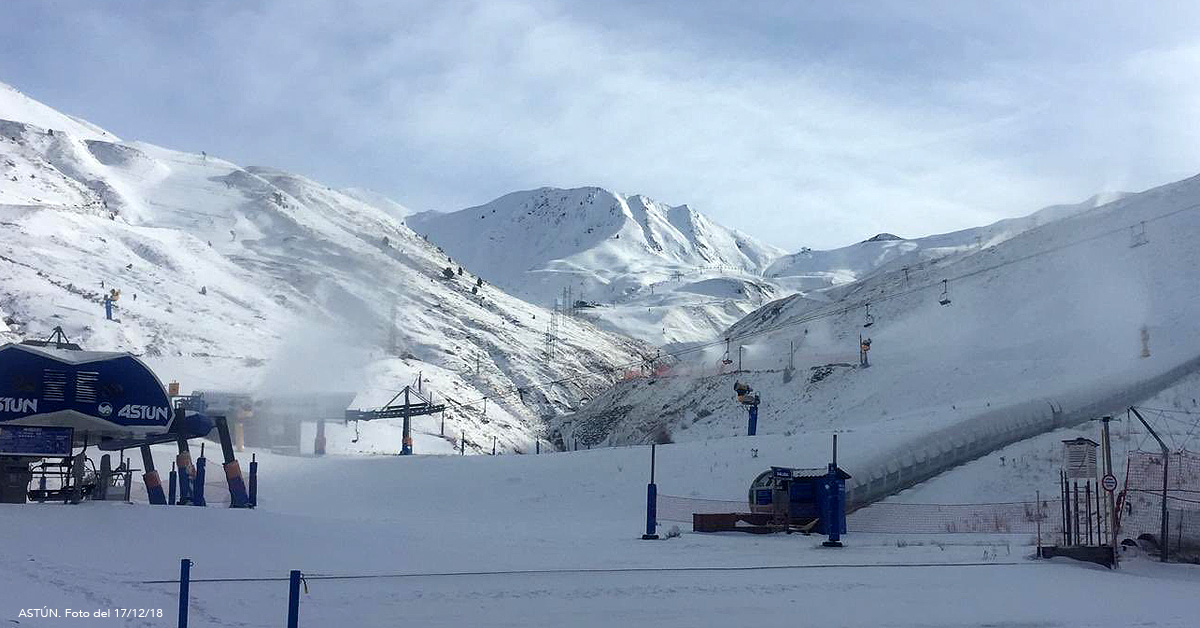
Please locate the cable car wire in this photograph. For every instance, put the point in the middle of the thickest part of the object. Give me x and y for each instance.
(839, 308)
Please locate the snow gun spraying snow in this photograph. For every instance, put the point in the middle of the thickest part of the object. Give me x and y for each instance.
(747, 397)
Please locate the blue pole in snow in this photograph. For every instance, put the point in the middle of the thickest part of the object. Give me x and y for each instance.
(752, 427)
(835, 503)
(185, 485)
(108, 308)
(198, 486)
(185, 576)
(174, 478)
(294, 599)
(651, 503)
(253, 496)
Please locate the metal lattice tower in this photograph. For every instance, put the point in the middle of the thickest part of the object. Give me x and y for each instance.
(552, 332)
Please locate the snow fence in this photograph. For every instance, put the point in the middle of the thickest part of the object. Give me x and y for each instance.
(1141, 506)
(913, 462)
(894, 518)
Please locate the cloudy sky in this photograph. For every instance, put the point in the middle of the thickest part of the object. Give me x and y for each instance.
(807, 123)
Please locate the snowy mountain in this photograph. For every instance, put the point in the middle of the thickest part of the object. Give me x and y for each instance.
(812, 270)
(375, 199)
(660, 273)
(256, 280)
(1061, 322)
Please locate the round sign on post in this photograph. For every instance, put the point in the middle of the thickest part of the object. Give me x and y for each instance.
(1109, 483)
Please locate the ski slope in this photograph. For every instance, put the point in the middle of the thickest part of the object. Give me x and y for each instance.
(810, 270)
(1051, 318)
(254, 280)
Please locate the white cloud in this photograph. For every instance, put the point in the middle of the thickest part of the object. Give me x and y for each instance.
(913, 119)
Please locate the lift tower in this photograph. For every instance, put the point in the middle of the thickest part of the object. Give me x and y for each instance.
(415, 404)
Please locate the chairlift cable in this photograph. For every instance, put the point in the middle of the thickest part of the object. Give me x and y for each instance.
(843, 309)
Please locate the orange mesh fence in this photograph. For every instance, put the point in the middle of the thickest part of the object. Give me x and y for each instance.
(996, 518)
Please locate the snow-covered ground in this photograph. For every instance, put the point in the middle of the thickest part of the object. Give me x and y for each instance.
(561, 515)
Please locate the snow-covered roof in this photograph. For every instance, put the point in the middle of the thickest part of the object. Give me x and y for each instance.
(69, 356)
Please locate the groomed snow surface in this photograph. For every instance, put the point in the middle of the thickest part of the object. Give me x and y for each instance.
(564, 513)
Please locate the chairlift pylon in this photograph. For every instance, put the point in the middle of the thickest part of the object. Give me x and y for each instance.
(945, 298)
(870, 320)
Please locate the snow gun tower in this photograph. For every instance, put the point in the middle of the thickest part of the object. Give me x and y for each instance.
(56, 397)
(747, 397)
(415, 404)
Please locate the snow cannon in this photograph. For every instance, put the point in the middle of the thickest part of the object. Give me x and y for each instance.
(747, 397)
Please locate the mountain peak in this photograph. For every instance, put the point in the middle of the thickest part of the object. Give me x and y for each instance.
(883, 237)
(18, 107)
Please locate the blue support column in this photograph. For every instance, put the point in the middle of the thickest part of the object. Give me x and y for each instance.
(752, 426)
(233, 471)
(185, 577)
(185, 484)
(198, 485)
(293, 620)
(651, 503)
(833, 508)
(253, 496)
(154, 488)
(174, 479)
(238, 497)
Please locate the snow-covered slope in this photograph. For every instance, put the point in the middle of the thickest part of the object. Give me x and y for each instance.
(18, 106)
(375, 199)
(811, 270)
(642, 263)
(258, 280)
(1057, 313)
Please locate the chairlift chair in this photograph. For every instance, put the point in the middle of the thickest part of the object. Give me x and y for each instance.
(870, 320)
(945, 299)
(725, 359)
(355, 439)
(1137, 235)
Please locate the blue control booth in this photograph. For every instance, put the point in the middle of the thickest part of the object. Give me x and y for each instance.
(803, 495)
(56, 397)
(112, 400)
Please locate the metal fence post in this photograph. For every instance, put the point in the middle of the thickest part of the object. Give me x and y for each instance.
(252, 496)
(174, 478)
(185, 576)
(294, 599)
(198, 482)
